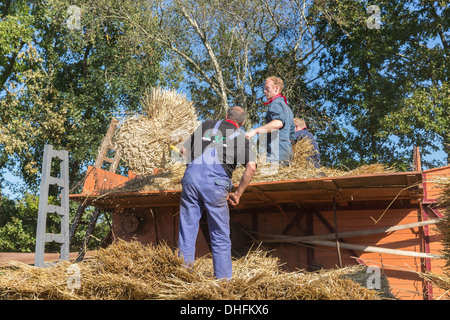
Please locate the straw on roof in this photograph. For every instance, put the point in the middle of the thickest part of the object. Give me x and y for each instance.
(300, 168)
(131, 270)
(444, 226)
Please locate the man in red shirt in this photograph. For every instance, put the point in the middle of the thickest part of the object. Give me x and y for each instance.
(279, 123)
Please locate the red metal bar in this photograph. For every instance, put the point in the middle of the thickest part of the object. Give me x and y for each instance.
(427, 248)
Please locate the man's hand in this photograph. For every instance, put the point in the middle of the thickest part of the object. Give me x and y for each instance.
(233, 199)
(250, 169)
(250, 134)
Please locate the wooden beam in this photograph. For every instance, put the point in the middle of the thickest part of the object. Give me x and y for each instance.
(336, 235)
(329, 227)
(349, 234)
(376, 249)
(414, 190)
(262, 195)
(294, 219)
(105, 146)
(417, 162)
(309, 232)
(76, 220)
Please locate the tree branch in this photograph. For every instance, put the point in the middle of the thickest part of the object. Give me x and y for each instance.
(218, 71)
(6, 8)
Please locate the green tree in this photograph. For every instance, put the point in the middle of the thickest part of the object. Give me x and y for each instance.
(67, 83)
(18, 220)
(14, 233)
(16, 29)
(386, 83)
(423, 117)
(227, 49)
(61, 85)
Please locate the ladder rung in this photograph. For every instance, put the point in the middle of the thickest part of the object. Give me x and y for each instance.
(50, 237)
(56, 209)
(58, 154)
(108, 160)
(57, 181)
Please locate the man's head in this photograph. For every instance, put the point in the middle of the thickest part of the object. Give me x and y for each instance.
(236, 114)
(299, 124)
(272, 87)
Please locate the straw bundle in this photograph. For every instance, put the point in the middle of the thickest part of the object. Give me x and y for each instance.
(259, 276)
(300, 167)
(131, 270)
(143, 140)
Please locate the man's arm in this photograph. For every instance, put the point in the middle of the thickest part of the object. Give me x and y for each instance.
(247, 176)
(267, 128)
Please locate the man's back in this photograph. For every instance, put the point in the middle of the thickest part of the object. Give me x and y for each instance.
(231, 145)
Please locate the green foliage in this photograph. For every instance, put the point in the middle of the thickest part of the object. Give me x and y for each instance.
(16, 224)
(62, 86)
(387, 84)
(18, 220)
(67, 84)
(423, 118)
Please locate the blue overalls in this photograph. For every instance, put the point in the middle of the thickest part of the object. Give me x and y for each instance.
(206, 185)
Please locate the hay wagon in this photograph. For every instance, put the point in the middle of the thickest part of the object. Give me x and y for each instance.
(383, 220)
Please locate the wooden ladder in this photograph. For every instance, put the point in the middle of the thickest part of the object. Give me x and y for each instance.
(101, 158)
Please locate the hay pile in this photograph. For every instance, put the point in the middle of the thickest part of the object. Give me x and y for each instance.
(301, 168)
(143, 140)
(441, 281)
(130, 270)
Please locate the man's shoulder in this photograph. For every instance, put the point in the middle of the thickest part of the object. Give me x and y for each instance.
(278, 105)
(280, 100)
(302, 134)
(208, 122)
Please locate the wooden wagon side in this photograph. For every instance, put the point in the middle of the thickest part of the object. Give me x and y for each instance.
(271, 213)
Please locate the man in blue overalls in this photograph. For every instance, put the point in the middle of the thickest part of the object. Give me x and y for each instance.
(279, 123)
(213, 151)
